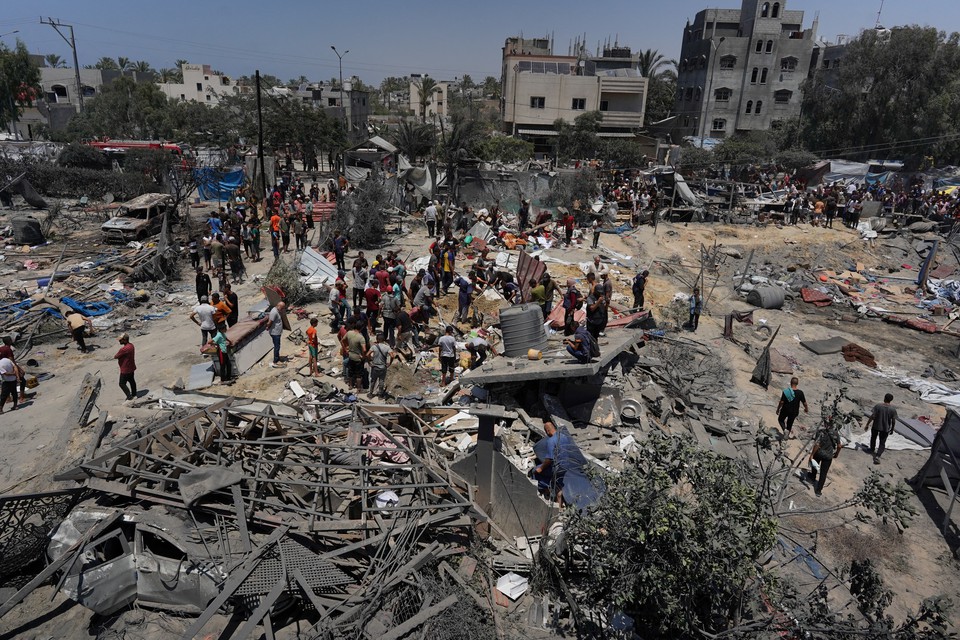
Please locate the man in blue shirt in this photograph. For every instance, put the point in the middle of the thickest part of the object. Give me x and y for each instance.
(215, 224)
(465, 296)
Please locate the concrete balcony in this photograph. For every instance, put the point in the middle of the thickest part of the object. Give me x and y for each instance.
(625, 119)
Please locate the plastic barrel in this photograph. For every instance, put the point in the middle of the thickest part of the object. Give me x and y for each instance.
(767, 297)
(522, 327)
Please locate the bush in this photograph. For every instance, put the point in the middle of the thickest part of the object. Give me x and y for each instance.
(83, 157)
(52, 180)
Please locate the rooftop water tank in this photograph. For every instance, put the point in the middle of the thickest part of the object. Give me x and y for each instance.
(522, 327)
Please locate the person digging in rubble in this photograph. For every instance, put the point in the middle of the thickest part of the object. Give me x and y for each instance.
(789, 407)
(883, 419)
(557, 453)
(582, 345)
(478, 348)
(78, 325)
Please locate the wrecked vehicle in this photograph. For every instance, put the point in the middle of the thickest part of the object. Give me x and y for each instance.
(137, 218)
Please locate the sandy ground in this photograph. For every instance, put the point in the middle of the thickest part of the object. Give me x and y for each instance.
(915, 565)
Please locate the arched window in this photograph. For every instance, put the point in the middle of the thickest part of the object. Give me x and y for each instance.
(728, 62)
(783, 96)
(749, 106)
(769, 46)
(759, 106)
(753, 75)
(722, 95)
(763, 76)
(776, 10)
(764, 9)
(89, 92)
(759, 46)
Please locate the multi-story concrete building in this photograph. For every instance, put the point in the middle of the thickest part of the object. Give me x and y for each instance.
(741, 70)
(352, 105)
(538, 88)
(200, 84)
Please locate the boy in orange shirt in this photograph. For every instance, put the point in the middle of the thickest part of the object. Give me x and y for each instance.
(313, 346)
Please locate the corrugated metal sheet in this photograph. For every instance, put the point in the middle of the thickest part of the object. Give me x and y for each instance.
(527, 268)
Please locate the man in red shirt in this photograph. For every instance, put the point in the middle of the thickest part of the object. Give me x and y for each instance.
(372, 297)
(313, 346)
(128, 366)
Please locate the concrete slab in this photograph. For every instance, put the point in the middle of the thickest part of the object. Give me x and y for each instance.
(201, 376)
(556, 363)
(824, 347)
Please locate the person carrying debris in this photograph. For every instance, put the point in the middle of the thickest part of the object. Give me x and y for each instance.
(827, 446)
(789, 406)
(883, 419)
(582, 346)
(128, 366)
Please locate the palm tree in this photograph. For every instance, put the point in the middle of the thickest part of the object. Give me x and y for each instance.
(414, 140)
(178, 69)
(650, 62)
(142, 66)
(167, 75)
(123, 63)
(106, 63)
(55, 61)
(425, 87)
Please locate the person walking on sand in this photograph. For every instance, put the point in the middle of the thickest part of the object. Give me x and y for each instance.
(826, 447)
(128, 366)
(883, 419)
(789, 407)
(275, 324)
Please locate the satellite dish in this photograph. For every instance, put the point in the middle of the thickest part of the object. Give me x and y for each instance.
(108, 198)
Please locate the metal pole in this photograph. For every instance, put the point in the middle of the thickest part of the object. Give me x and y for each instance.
(73, 47)
(263, 175)
(343, 107)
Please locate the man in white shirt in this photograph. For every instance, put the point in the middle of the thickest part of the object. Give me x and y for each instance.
(202, 316)
(430, 217)
(448, 356)
(598, 268)
(9, 376)
(275, 329)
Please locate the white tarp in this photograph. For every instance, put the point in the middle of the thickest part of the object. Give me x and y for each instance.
(316, 270)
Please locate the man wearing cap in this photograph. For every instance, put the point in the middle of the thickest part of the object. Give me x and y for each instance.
(430, 217)
(125, 358)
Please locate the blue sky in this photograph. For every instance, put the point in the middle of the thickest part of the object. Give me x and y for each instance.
(288, 38)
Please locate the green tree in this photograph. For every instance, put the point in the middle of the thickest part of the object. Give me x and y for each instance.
(425, 86)
(167, 75)
(504, 149)
(82, 156)
(466, 82)
(19, 81)
(124, 64)
(651, 61)
(491, 87)
(673, 542)
(126, 109)
(896, 95)
(580, 139)
(54, 61)
(142, 66)
(107, 64)
(661, 94)
(415, 140)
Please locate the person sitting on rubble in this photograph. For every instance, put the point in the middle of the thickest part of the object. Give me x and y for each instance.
(582, 345)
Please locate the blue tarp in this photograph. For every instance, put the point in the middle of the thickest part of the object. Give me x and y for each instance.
(213, 184)
(878, 178)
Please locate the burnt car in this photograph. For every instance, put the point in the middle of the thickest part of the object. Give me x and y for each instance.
(137, 219)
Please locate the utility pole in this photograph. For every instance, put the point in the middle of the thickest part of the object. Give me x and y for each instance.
(263, 175)
(73, 47)
(343, 107)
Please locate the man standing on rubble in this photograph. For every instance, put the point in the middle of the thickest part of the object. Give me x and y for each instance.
(596, 308)
(6, 351)
(826, 447)
(275, 329)
(202, 316)
(360, 276)
(381, 356)
(10, 375)
(340, 246)
(357, 353)
(883, 419)
(128, 366)
(571, 304)
(696, 306)
(233, 302)
(430, 218)
(789, 407)
(465, 296)
(448, 356)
